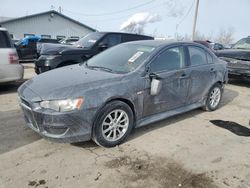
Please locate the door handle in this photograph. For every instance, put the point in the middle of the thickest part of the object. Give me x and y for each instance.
(184, 75)
(212, 70)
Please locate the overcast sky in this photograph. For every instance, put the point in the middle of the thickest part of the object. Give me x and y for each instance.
(108, 15)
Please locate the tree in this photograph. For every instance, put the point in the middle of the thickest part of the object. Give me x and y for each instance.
(225, 36)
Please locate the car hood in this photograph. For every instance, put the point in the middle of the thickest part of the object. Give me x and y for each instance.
(60, 49)
(66, 82)
(235, 54)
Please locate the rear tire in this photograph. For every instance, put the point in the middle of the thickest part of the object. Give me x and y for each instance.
(213, 98)
(113, 124)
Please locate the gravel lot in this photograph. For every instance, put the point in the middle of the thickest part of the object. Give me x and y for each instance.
(195, 149)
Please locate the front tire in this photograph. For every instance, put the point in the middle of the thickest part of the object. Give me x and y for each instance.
(113, 124)
(214, 98)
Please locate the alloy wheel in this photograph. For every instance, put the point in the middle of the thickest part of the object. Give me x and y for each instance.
(215, 97)
(115, 125)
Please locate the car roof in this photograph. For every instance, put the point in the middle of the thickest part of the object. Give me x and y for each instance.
(159, 43)
(2, 29)
(124, 33)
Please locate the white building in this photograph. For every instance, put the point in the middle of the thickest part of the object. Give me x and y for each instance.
(50, 24)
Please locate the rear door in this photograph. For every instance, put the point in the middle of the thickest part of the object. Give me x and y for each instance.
(169, 66)
(202, 73)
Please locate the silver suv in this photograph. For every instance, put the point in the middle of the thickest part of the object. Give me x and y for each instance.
(10, 69)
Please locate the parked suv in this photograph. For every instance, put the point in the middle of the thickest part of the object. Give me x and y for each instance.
(10, 69)
(54, 56)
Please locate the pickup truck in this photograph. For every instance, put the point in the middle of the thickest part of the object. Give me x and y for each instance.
(57, 55)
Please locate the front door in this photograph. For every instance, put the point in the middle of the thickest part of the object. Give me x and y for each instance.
(169, 68)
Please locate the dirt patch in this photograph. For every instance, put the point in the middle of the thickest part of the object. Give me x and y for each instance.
(37, 183)
(149, 171)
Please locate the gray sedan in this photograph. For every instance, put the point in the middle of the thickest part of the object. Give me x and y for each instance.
(124, 87)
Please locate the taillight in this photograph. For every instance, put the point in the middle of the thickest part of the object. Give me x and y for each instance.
(13, 58)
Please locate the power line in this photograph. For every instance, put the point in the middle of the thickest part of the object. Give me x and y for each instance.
(111, 13)
(120, 18)
(184, 17)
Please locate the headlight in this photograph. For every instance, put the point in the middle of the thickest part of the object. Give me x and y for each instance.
(50, 57)
(63, 105)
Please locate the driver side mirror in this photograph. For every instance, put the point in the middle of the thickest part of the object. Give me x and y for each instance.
(155, 85)
(102, 46)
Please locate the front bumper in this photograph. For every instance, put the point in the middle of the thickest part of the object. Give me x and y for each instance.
(45, 63)
(59, 127)
(238, 72)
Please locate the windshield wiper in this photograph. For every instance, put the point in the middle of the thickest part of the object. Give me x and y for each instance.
(99, 67)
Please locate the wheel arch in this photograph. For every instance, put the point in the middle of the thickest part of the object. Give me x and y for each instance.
(126, 101)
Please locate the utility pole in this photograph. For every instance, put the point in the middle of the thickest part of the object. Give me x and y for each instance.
(60, 9)
(195, 19)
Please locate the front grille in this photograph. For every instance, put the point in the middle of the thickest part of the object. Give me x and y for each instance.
(56, 130)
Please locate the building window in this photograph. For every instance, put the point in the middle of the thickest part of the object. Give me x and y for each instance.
(75, 37)
(28, 35)
(60, 37)
(46, 36)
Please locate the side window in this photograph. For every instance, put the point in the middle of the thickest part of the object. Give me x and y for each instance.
(4, 40)
(197, 56)
(171, 59)
(127, 38)
(112, 40)
(209, 58)
(46, 36)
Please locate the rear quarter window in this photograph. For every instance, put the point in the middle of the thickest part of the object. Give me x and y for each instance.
(4, 40)
(198, 56)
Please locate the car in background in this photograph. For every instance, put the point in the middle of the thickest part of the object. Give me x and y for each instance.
(15, 41)
(10, 69)
(29, 48)
(238, 59)
(43, 41)
(125, 87)
(217, 46)
(69, 40)
(213, 46)
(205, 43)
(55, 56)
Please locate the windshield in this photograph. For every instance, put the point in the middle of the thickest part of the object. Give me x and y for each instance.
(123, 58)
(89, 40)
(243, 44)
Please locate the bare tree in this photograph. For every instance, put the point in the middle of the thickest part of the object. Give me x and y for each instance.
(225, 36)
